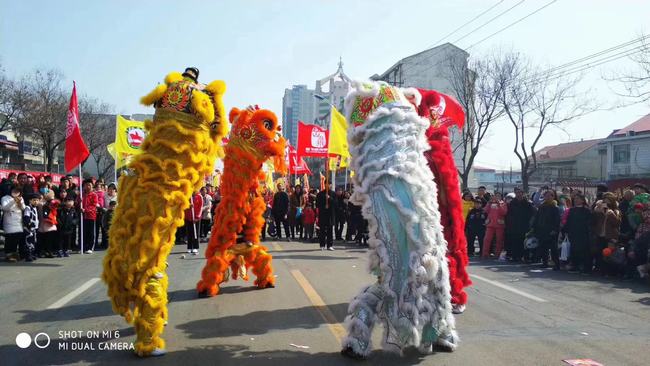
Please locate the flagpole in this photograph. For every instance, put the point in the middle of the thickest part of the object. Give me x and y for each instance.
(81, 194)
(345, 185)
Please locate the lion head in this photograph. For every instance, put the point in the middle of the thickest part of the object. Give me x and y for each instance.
(257, 132)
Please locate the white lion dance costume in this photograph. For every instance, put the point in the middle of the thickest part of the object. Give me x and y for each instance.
(182, 144)
(407, 249)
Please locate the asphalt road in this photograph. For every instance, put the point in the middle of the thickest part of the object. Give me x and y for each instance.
(517, 315)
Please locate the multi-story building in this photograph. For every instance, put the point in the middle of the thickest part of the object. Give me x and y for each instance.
(570, 161)
(433, 68)
(627, 151)
(297, 105)
(338, 86)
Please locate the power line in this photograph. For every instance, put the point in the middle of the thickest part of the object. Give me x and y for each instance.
(491, 20)
(594, 55)
(497, 32)
(560, 72)
(591, 66)
(465, 24)
(512, 24)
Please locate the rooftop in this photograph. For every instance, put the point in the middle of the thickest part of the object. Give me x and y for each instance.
(641, 126)
(565, 151)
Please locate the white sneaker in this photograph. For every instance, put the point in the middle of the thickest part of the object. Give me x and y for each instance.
(88, 252)
(189, 251)
(330, 248)
(322, 248)
(157, 352)
(195, 251)
(457, 309)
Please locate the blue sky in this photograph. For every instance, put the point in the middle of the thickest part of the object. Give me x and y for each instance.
(118, 50)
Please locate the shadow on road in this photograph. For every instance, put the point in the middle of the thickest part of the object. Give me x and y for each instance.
(260, 322)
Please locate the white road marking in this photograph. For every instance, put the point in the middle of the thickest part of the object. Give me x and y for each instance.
(67, 298)
(509, 288)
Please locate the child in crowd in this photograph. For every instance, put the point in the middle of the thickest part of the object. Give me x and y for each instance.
(30, 225)
(68, 220)
(47, 229)
(475, 227)
(308, 220)
(107, 218)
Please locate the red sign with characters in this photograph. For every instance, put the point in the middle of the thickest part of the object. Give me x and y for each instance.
(312, 140)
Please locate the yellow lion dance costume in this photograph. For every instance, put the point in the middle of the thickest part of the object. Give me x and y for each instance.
(234, 243)
(182, 144)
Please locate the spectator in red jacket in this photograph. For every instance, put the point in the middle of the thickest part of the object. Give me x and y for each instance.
(192, 220)
(308, 220)
(89, 206)
(496, 211)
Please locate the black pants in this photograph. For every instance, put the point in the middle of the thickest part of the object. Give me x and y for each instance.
(515, 243)
(89, 235)
(48, 242)
(471, 235)
(67, 241)
(309, 231)
(98, 229)
(299, 227)
(549, 243)
(351, 229)
(191, 228)
(580, 254)
(12, 242)
(205, 227)
(326, 234)
(282, 220)
(340, 223)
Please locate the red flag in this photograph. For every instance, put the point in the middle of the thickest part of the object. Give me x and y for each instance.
(297, 164)
(312, 140)
(75, 148)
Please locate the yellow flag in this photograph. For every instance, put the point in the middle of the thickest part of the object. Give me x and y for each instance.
(129, 136)
(338, 143)
(111, 150)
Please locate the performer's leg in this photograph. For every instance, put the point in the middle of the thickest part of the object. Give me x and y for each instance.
(213, 275)
(151, 320)
(262, 267)
(362, 314)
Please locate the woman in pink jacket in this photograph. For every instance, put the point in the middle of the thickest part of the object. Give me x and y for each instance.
(496, 211)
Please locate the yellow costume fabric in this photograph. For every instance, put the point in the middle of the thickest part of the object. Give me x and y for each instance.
(234, 242)
(181, 146)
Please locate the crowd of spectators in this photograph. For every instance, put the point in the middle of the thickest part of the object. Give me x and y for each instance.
(608, 234)
(42, 219)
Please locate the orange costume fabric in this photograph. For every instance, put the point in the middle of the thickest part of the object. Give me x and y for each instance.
(443, 111)
(235, 241)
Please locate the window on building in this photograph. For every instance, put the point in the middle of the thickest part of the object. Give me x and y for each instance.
(622, 154)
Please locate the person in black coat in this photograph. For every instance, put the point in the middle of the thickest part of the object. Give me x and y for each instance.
(520, 213)
(475, 227)
(577, 227)
(546, 228)
(341, 213)
(280, 210)
(326, 205)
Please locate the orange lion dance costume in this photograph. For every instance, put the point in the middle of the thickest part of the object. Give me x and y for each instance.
(235, 240)
(443, 111)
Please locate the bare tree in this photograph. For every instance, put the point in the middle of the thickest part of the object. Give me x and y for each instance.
(13, 100)
(43, 114)
(535, 101)
(98, 130)
(637, 83)
(477, 87)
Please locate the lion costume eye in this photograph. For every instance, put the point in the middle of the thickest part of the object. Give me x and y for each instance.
(268, 124)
